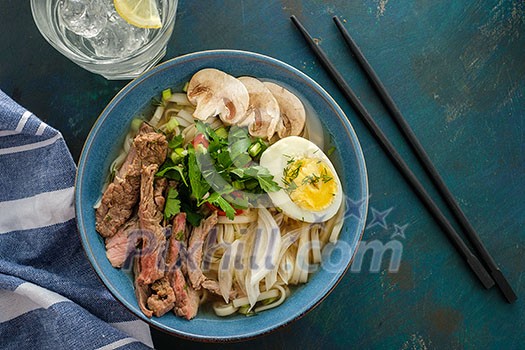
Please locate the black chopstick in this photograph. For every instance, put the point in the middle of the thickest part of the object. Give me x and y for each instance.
(398, 161)
(429, 167)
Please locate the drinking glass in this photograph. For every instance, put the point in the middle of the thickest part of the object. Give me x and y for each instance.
(98, 53)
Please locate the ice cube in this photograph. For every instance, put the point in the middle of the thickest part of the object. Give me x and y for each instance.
(138, 37)
(109, 42)
(86, 18)
(118, 38)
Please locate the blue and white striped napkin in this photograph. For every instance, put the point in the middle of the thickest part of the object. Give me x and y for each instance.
(50, 297)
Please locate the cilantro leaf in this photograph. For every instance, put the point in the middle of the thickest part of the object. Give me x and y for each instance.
(176, 142)
(238, 171)
(194, 218)
(172, 171)
(199, 186)
(216, 199)
(226, 207)
(258, 173)
(239, 143)
(172, 206)
(267, 183)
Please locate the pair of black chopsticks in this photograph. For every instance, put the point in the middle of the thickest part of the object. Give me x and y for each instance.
(486, 270)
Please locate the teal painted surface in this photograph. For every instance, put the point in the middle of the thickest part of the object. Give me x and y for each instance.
(457, 72)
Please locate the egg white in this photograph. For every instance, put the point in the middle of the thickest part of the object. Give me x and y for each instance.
(276, 158)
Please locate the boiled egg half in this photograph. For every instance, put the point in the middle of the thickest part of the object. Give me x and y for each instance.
(310, 187)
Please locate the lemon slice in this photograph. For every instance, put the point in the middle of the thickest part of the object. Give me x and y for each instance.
(140, 13)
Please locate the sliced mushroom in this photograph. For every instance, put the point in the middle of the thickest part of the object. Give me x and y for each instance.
(214, 92)
(293, 115)
(263, 113)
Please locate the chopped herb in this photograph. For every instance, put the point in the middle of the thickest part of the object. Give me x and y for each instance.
(199, 186)
(240, 141)
(330, 151)
(217, 200)
(290, 186)
(166, 94)
(172, 206)
(325, 177)
(290, 173)
(226, 159)
(135, 124)
(245, 310)
(192, 215)
(243, 160)
(267, 183)
(222, 132)
(176, 142)
(290, 160)
(173, 171)
(254, 149)
(171, 125)
(269, 301)
(312, 179)
(178, 155)
(179, 236)
(294, 172)
(238, 185)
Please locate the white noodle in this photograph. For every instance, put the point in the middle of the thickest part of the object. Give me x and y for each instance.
(315, 244)
(229, 234)
(246, 217)
(286, 266)
(299, 258)
(338, 223)
(157, 116)
(189, 133)
(185, 117)
(276, 303)
(179, 98)
(170, 111)
(226, 266)
(267, 246)
(272, 293)
(222, 309)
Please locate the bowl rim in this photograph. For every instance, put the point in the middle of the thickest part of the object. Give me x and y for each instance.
(157, 70)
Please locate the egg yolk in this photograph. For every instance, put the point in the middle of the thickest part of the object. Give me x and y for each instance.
(310, 183)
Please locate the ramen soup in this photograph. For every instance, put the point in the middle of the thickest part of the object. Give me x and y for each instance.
(223, 194)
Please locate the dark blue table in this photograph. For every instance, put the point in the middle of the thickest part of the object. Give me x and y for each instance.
(457, 71)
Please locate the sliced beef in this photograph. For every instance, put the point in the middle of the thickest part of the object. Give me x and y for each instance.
(176, 241)
(211, 286)
(153, 236)
(195, 248)
(119, 198)
(142, 291)
(124, 243)
(159, 190)
(187, 298)
(152, 148)
(162, 298)
(122, 194)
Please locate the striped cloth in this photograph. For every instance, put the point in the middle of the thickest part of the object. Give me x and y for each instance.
(50, 297)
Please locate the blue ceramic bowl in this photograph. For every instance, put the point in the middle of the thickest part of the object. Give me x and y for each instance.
(105, 140)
